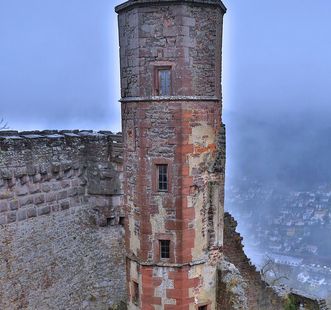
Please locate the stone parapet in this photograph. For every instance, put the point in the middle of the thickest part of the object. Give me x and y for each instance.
(42, 172)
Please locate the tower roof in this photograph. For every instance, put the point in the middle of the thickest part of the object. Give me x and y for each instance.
(134, 3)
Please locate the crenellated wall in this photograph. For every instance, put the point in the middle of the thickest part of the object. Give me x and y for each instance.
(61, 242)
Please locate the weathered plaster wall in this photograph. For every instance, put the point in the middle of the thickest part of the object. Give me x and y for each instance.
(61, 245)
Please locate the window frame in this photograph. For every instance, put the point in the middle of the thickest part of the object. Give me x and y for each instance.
(154, 171)
(157, 247)
(161, 183)
(135, 292)
(204, 305)
(165, 247)
(157, 80)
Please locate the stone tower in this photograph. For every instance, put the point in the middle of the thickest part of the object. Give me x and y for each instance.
(174, 150)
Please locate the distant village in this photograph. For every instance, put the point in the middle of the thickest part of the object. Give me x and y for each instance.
(286, 232)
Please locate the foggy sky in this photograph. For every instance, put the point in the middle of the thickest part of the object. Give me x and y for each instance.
(59, 69)
(277, 89)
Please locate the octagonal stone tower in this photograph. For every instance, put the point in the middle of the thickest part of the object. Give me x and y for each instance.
(174, 151)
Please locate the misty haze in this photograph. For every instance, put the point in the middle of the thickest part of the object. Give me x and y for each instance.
(59, 69)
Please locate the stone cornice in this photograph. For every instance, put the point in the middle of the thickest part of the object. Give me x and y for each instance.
(165, 264)
(170, 98)
(140, 3)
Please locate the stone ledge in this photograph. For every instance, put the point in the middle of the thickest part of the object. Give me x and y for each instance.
(57, 134)
(140, 3)
(170, 98)
(165, 264)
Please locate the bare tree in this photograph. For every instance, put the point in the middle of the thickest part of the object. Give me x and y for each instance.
(3, 124)
(272, 273)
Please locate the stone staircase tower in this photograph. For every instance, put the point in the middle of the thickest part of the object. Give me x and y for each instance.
(174, 151)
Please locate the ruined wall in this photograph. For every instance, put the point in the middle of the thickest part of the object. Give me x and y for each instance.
(257, 293)
(240, 285)
(61, 245)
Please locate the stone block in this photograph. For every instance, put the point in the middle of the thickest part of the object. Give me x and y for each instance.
(39, 199)
(26, 200)
(11, 217)
(31, 170)
(6, 194)
(31, 212)
(22, 215)
(72, 192)
(56, 186)
(61, 195)
(6, 174)
(24, 179)
(3, 219)
(36, 178)
(3, 206)
(11, 183)
(65, 183)
(22, 190)
(50, 197)
(55, 168)
(44, 210)
(13, 204)
(65, 205)
(45, 187)
(20, 172)
(43, 168)
(55, 208)
(33, 188)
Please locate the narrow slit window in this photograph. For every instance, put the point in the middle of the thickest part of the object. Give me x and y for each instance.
(164, 82)
(165, 248)
(162, 173)
(135, 292)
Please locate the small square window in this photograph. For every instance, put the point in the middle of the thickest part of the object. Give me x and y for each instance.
(135, 292)
(165, 248)
(121, 221)
(163, 81)
(162, 178)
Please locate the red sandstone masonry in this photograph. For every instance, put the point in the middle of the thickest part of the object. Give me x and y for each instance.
(179, 130)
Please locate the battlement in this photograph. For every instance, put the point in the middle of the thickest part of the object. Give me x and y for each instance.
(42, 172)
(10, 139)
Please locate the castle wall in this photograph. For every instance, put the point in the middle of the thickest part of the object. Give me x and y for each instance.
(257, 293)
(61, 242)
